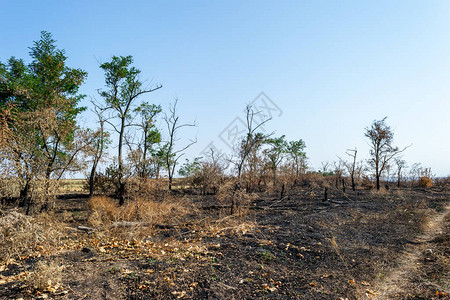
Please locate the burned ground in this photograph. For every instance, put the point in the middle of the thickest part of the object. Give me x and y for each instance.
(296, 248)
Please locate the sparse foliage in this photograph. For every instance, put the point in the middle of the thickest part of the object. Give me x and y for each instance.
(171, 154)
(382, 151)
(123, 88)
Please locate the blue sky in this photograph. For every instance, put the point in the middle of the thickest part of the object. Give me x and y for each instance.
(332, 67)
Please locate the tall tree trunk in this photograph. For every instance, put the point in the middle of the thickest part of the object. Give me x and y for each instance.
(121, 191)
(144, 156)
(353, 181)
(274, 175)
(92, 177)
(378, 182)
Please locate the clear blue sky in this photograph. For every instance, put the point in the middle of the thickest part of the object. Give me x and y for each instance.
(332, 67)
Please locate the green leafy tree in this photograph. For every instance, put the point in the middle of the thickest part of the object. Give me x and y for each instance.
(123, 88)
(151, 136)
(296, 151)
(189, 168)
(275, 153)
(44, 100)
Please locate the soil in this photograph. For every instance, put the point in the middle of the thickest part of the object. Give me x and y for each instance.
(356, 245)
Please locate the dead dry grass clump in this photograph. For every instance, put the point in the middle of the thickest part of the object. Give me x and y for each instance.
(382, 192)
(400, 194)
(229, 225)
(46, 277)
(20, 235)
(106, 210)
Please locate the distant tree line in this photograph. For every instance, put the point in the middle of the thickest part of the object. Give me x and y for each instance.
(41, 141)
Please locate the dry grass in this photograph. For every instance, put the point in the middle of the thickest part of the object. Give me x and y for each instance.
(336, 248)
(21, 235)
(379, 193)
(229, 225)
(73, 185)
(105, 211)
(46, 277)
(9, 188)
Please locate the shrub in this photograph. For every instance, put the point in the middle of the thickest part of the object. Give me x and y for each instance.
(425, 182)
(367, 183)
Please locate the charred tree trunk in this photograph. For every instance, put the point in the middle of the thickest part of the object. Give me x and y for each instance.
(121, 193)
(23, 196)
(378, 181)
(283, 188)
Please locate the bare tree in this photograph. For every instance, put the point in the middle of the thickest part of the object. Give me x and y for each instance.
(99, 141)
(324, 167)
(251, 139)
(171, 156)
(257, 166)
(382, 151)
(401, 165)
(351, 166)
(338, 172)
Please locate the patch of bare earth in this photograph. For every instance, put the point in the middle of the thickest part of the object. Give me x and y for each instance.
(409, 279)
